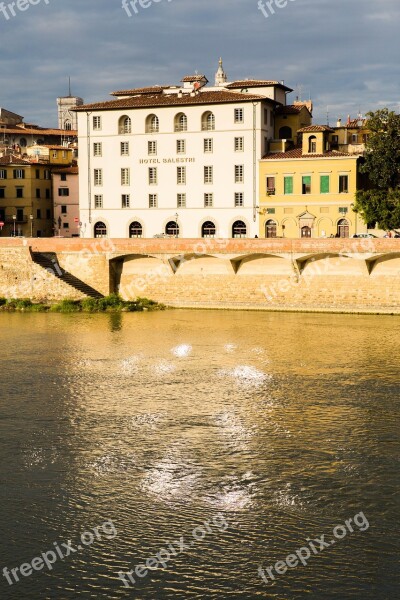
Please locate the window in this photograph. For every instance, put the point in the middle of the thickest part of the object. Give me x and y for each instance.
(125, 200)
(63, 177)
(208, 174)
(38, 213)
(55, 154)
(38, 193)
(181, 175)
(98, 201)
(96, 123)
(68, 125)
(238, 115)
(306, 184)
(66, 225)
(152, 148)
(271, 186)
(152, 124)
(208, 200)
(288, 184)
(270, 229)
(239, 144)
(270, 211)
(63, 191)
(98, 177)
(135, 230)
(180, 146)
(181, 122)
(100, 230)
(265, 116)
(97, 149)
(343, 228)
(208, 145)
(125, 176)
(47, 174)
(124, 125)
(152, 175)
(3, 174)
(324, 184)
(238, 199)
(152, 200)
(181, 200)
(172, 228)
(2, 195)
(239, 229)
(19, 174)
(48, 213)
(354, 138)
(208, 121)
(208, 230)
(343, 210)
(47, 192)
(343, 184)
(239, 174)
(37, 173)
(124, 148)
(312, 144)
(19, 192)
(63, 209)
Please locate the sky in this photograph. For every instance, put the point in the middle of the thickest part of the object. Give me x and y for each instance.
(341, 53)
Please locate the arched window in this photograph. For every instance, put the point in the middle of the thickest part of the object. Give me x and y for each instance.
(208, 121)
(312, 144)
(285, 133)
(22, 142)
(172, 228)
(135, 230)
(270, 229)
(125, 125)
(100, 230)
(68, 125)
(208, 230)
(152, 124)
(343, 228)
(239, 229)
(181, 122)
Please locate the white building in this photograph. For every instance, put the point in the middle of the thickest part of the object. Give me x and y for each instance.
(178, 160)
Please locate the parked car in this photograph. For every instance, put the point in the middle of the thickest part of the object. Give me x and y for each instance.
(364, 235)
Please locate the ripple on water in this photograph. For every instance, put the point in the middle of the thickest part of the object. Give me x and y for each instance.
(245, 374)
(182, 350)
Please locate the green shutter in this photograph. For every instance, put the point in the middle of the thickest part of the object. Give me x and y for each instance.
(288, 185)
(324, 188)
(306, 179)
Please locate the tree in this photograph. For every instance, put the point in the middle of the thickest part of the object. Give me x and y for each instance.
(381, 203)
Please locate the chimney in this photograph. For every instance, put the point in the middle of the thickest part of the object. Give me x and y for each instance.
(339, 123)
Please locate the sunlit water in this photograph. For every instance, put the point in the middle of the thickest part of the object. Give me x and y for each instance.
(272, 428)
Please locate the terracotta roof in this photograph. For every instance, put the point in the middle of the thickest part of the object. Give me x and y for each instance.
(52, 147)
(298, 153)
(192, 78)
(290, 109)
(155, 89)
(13, 159)
(356, 123)
(315, 128)
(67, 170)
(245, 83)
(39, 131)
(206, 97)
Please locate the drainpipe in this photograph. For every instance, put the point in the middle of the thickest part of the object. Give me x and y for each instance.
(89, 166)
(254, 161)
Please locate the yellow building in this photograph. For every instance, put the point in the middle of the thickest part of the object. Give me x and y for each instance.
(309, 191)
(26, 205)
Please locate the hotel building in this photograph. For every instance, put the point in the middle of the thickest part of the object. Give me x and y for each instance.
(176, 160)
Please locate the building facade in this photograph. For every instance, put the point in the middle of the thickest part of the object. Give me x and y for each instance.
(66, 201)
(309, 190)
(176, 160)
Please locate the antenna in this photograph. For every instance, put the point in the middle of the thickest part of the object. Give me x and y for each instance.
(327, 115)
(69, 87)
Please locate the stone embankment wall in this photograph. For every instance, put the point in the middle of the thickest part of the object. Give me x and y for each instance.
(344, 275)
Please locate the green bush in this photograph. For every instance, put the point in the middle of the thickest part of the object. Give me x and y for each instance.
(67, 306)
(3, 301)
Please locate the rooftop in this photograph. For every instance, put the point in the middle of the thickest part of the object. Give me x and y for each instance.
(298, 153)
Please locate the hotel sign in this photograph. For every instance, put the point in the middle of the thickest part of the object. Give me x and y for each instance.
(159, 161)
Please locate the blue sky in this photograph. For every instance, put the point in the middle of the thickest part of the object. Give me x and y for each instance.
(342, 53)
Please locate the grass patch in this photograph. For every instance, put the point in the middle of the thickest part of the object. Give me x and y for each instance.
(111, 303)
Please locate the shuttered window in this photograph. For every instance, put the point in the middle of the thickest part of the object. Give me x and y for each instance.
(324, 184)
(288, 185)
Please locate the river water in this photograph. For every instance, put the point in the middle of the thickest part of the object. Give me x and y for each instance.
(223, 442)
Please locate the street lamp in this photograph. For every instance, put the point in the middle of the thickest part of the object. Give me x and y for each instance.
(176, 225)
(14, 219)
(31, 218)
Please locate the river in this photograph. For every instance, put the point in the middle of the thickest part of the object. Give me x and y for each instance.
(198, 449)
